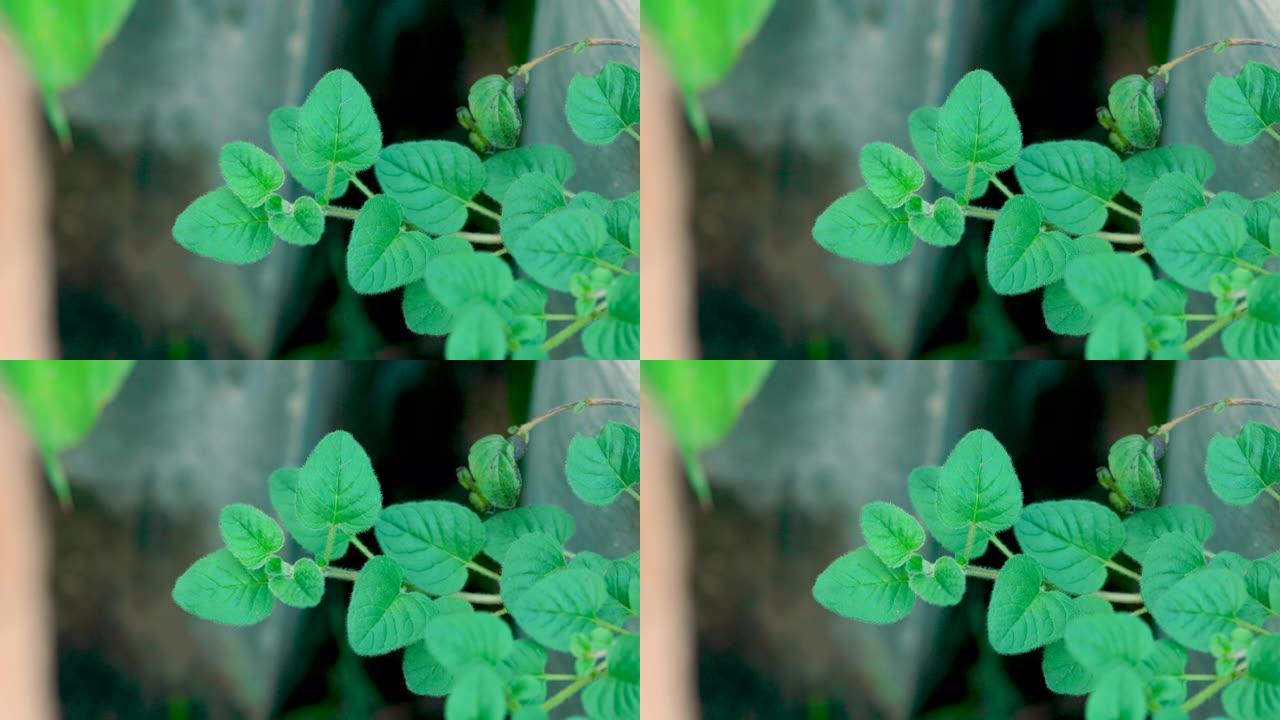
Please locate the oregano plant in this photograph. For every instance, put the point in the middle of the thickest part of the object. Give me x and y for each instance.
(1087, 222)
(412, 234)
(478, 598)
(1091, 586)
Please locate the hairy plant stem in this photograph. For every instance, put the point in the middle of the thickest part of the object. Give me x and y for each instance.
(570, 690)
(361, 186)
(1208, 692)
(1209, 331)
(1123, 570)
(341, 212)
(630, 131)
(999, 545)
(981, 212)
(480, 238)
(1001, 186)
(483, 570)
(1229, 402)
(341, 573)
(1118, 597)
(1229, 42)
(478, 598)
(589, 402)
(980, 572)
(1120, 238)
(589, 42)
(360, 546)
(635, 494)
(613, 268)
(483, 210)
(572, 329)
(1123, 210)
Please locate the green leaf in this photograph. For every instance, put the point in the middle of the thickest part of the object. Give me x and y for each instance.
(612, 339)
(458, 639)
(601, 468)
(978, 486)
(492, 101)
(504, 528)
(337, 490)
(529, 200)
(1143, 169)
(61, 40)
(1073, 180)
(529, 559)
(857, 585)
(942, 226)
(302, 225)
(1170, 198)
(1132, 461)
(603, 106)
(382, 257)
(220, 589)
(283, 488)
(891, 174)
(942, 584)
(250, 535)
(461, 279)
(250, 172)
(479, 333)
(477, 695)
(922, 488)
(560, 246)
(1022, 257)
(1200, 246)
(1165, 665)
(923, 127)
(218, 226)
(624, 299)
(1170, 558)
(492, 461)
(1118, 696)
(337, 128)
(1132, 102)
(283, 125)
(616, 696)
(301, 585)
(423, 313)
(977, 127)
(859, 227)
(1200, 606)
(1064, 314)
(383, 617)
(1242, 106)
(1241, 467)
(1257, 695)
(1023, 616)
(433, 541)
(504, 168)
(1099, 642)
(1099, 281)
(559, 606)
(423, 674)
(1257, 334)
(891, 533)
(701, 42)
(1144, 528)
(619, 218)
(1072, 540)
(1119, 333)
(1062, 673)
(433, 181)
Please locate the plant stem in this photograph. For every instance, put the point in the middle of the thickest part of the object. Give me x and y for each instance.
(589, 42)
(483, 210)
(633, 493)
(589, 402)
(1229, 42)
(1271, 131)
(1123, 570)
(1209, 331)
(570, 690)
(1251, 627)
(1209, 691)
(999, 545)
(562, 317)
(555, 678)
(614, 268)
(636, 135)
(479, 598)
(1271, 491)
(341, 574)
(1120, 238)
(1229, 402)
(361, 186)
(1198, 318)
(483, 570)
(1198, 678)
(1117, 597)
(561, 337)
(360, 546)
(341, 212)
(981, 213)
(980, 572)
(1001, 186)
(1251, 266)
(1123, 210)
(614, 628)
(480, 238)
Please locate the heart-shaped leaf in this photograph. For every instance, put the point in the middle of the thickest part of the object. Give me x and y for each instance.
(601, 468)
(559, 606)
(1143, 528)
(922, 488)
(859, 227)
(1201, 605)
(302, 225)
(942, 584)
(941, 226)
(383, 617)
(603, 106)
(1241, 467)
(891, 533)
(978, 486)
(250, 535)
(1072, 540)
(504, 168)
(1022, 615)
(1170, 558)
(891, 174)
(220, 589)
(1170, 198)
(433, 181)
(1200, 246)
(1021, 256)
(1144, 168)
(560, 246)
(433, 541)
(504, 528)
(382, 257)
(337, 491)
(219, 226)
(1243, 106)
(857, 585)
(337, 128)
(977, 128)
(1072, 180)
(300, 585)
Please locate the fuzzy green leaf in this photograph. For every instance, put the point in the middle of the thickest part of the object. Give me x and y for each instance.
(977, 127)
(250, 535)
(283, 489)
(492, 101)
(1064, 314)
(1132, 102)
(891, 533)
(1241, 107)
(1099, 642)
(433, 181)
(978, 486)
(528, 559)
(1170, 558)
(250, 172)
(479, 333)
(283, 125)
(1200, 606)
(1023, 616)
(218, 226)
(612, 339)
(1073, 180)
(942, 584)
(601, 468)
(220, 589)
(504, 168)
(504, 528)
(1200, 246)
(1132, 461)
(1118, 696)
(1170, 198)
(530, 199)
(1022, 257)
(560, 605)
(337, 128)
(1143, 169)
(433, 541)
(859, 227)
(923, 127)
(1257, 695)
(891, 174)
(616, 696)
(942, 226)
(457, 639)
(857, 585)
(624, 299)
(922, 488)
(423, 674)
(301, 585)
(337, 488)
(1119, 333)
(1099, 281)
(383, 617)
(1144, 528)
(1243, 466)
(423, 313)
(561, 246)
(1257, 334)
(302, 225)
(477, 695)
(381, 257)
(1072, 540)
(492, 461)
(603, 106)
(1062, 673)
(461, 279)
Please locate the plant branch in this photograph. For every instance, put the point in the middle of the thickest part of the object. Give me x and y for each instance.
(628, 130)
(341, 574)
(980, 572)
(570, 690)
(1123, 210)
(478, 598)
(1229, 42)
(361, 186)
(981, 212)
(1123, 570)
(1229, 402)
(1209, 331)
(483, 570)
(360, 546)
(589, 42)
(589, 402)
(1209, 691)
(561, 337)
(1001, 186)
(1120, 238)
(341, 212)
(633, 493)
(999, 545)
(480, 238)
(483, 210)
(1117, 597)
